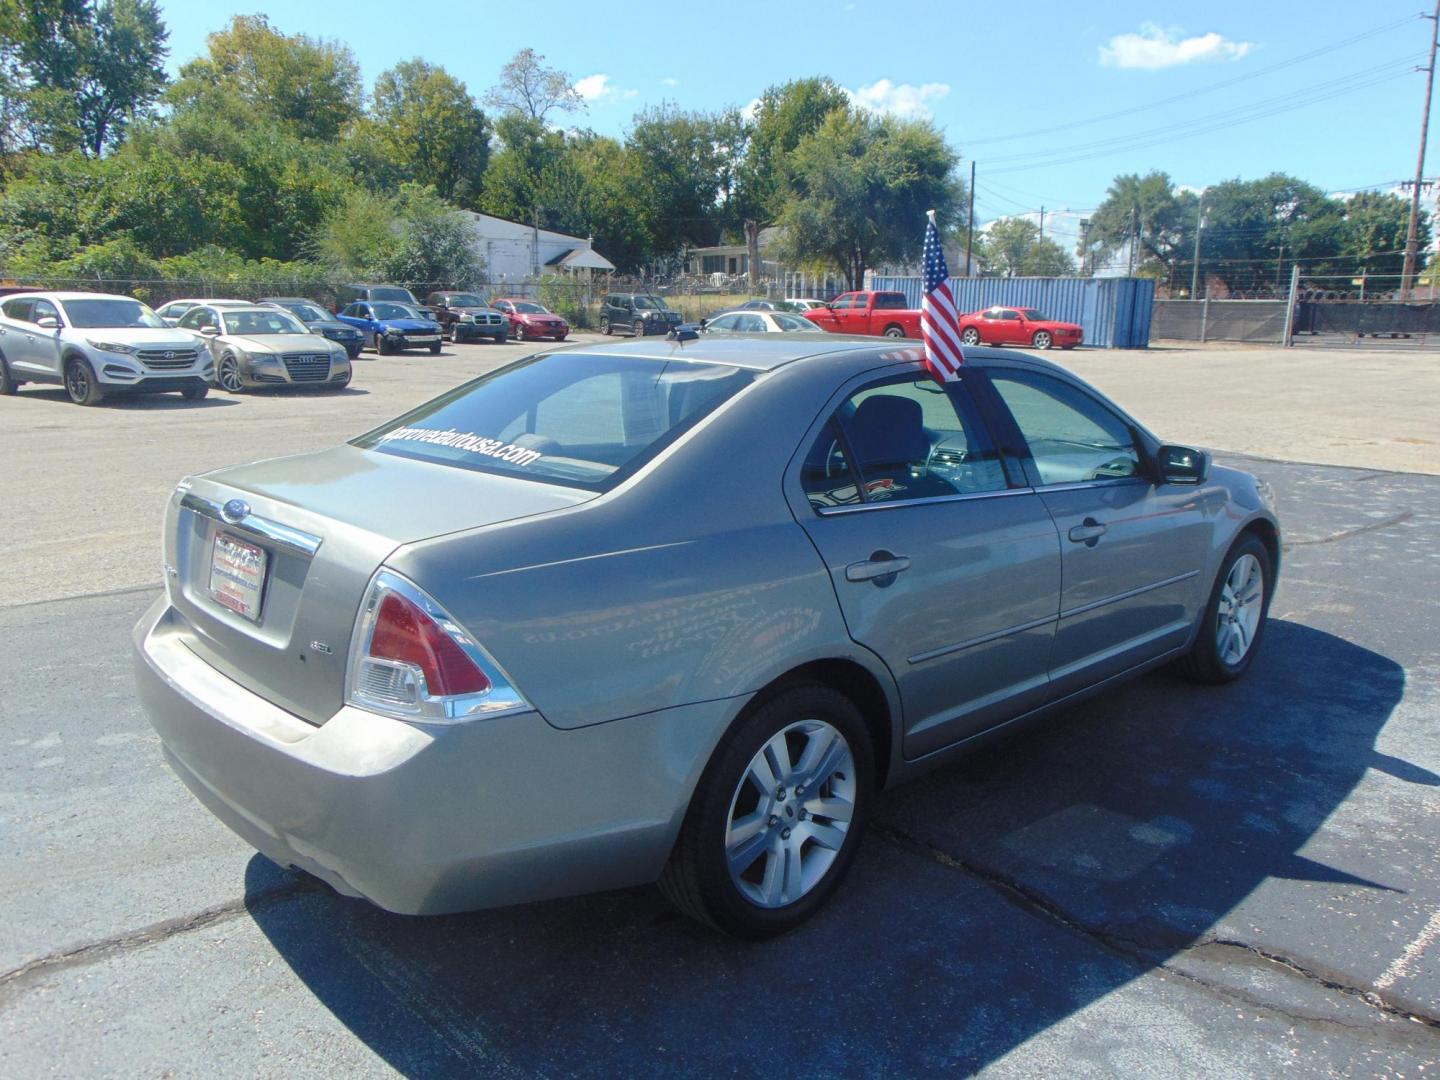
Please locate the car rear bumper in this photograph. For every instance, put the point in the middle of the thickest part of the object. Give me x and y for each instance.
(428, 820)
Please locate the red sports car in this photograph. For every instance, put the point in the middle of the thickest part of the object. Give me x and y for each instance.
(1018, 326)
(529, 319)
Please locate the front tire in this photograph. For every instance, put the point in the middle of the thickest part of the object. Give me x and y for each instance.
(382, 345)
(1235, 615)
(435, 349)
(195, 393)
(777, 817)
(8, 385)
(970, 336)
(81, 384)
(1042, 339)
(604, 326)
(228, 374)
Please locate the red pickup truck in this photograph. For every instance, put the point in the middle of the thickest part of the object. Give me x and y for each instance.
(879, 313)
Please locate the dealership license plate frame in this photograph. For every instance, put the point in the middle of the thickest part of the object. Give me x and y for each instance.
(247, 576)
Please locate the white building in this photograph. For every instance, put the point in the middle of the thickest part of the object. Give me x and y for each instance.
(517, 252)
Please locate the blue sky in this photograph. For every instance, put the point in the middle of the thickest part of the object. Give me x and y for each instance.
(1323, 89)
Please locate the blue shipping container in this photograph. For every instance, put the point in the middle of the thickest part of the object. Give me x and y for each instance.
(1114, 312)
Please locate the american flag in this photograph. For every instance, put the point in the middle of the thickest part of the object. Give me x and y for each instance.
(939, 322)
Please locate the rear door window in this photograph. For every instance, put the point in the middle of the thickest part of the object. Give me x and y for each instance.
(582, 421)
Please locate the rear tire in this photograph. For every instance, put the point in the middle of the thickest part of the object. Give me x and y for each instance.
(970, 336)
(80, 382)
(894, 331)
(1235, 615)
(756, 861)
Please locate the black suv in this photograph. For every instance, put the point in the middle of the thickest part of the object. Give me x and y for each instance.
(637, 313)
(320, 321)
(345, 295)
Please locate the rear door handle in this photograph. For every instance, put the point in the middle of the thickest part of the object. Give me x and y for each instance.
(881, 564)
(1088, 532)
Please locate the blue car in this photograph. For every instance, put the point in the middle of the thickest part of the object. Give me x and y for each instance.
(392, 328)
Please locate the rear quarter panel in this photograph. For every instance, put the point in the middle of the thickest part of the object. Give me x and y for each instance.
(691, 582)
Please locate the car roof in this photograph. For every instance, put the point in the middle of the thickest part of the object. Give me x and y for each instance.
(73, 295)
(209, 302)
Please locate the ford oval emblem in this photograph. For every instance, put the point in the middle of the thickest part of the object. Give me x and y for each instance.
(235, 510)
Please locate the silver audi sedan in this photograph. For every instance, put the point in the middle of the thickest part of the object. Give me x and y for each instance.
(674, 611)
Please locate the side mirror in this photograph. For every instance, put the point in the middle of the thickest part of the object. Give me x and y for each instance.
(1182, 465)
(210, 331)
(49, 322)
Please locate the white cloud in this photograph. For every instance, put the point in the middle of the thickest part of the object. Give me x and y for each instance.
(670, 81)
(599, 88)
(748, 111)
(905, 100)
(1153, 48)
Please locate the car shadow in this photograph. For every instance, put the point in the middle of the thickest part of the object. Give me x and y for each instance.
(164, 400)
(984, 907)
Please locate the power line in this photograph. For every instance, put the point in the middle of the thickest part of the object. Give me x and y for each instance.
(1267, 106)
(1345, 43)
(1219, 126)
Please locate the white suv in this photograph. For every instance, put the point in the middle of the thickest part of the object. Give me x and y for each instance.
(96, 344)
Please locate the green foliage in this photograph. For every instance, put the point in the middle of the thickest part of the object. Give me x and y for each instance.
(78, 72)
(412, 236)
(1014, 247)
(425, 121)
(785, 115)
(675, 171)
(1149, 208)
(867, 183)
(311, 87)
(567, 299)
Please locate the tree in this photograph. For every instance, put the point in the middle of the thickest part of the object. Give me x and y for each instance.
(862, 185)
(428, 124)
(527, 88)
(79, 72)
(1373, 236)
(413, 236)
(679, 163)
(1254, 226)
(784, 115)
(311, 87)
(1013, 247)
(1149, 214)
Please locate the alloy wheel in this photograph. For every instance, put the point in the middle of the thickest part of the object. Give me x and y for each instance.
(1242, 600)
(790, 813)
(229, 375)
(77, 381)
(1042, 339)
(971, 336)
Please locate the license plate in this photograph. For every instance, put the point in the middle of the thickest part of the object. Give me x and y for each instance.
(237, 575)
(422, 340)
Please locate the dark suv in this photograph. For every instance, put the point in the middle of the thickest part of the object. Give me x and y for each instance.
(464, 316)
(637, 313)
(345, 295)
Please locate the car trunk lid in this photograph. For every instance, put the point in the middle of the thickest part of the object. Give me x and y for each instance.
(267, 564)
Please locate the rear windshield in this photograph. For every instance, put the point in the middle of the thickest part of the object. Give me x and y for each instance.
(583, 421)
(891, 301)
(403, 295)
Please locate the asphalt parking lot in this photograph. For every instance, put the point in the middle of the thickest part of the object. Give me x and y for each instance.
(1169, 880)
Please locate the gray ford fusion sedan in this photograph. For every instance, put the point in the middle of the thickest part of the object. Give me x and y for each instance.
(674, 611)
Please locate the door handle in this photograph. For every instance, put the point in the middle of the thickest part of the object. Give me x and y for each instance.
(1088, 532)
(880, 568)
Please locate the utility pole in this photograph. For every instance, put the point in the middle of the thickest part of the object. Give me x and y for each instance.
(1412, 233)
(1135, 234)
(1042, 223)
(970, 230)
(1199, 228)
(1084, 246)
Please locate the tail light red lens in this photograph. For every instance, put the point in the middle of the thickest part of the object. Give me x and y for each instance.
(406, 634)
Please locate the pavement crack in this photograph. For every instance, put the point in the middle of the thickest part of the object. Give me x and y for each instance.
(1148, 955)
(17, 980)
(1346, 534)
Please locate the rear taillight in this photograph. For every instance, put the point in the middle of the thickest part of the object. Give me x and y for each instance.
(410, 659)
